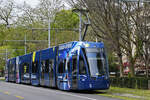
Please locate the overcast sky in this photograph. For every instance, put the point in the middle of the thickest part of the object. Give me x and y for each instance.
(33, 3)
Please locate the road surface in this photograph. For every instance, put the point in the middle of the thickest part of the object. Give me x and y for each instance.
(12, 91)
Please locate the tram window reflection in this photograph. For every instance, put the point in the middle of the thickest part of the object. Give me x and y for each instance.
(82, 67)
(74, 67)
(47, 66)
(61, 68)
(34, 67)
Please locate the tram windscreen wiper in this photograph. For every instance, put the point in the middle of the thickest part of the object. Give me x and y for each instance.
(96, 61)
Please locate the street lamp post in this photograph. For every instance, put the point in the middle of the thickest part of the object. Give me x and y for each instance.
(6, 55)
(49, 33)
(25, 44)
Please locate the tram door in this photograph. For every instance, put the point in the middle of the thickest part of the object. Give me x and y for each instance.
(74, 72)
(34, 70)
(7, 71)
(17, 70)
(45, 71)
(51, 72)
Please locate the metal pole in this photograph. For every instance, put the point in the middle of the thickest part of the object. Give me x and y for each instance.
(96, 39)
(25, 44)
(6, 58)
(49, 34)
(55, 38)
(80, 25)
(6, 55)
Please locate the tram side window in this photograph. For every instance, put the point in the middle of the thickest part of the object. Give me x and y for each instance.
(43, 66)
(61, 67)
(34, 67)
(50, 65)
(47, 66)
(51, 62)
(82, 67)
(74, 66)
(104, 61)
(13, 69)
(10, 67)
(102, 64)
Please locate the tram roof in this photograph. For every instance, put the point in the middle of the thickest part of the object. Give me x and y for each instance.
(70, 45)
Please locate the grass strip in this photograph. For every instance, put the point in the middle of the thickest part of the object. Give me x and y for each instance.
(127, 93)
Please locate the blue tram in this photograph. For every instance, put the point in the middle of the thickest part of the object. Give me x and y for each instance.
(70, 66)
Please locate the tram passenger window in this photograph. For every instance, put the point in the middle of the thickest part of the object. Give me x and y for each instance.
(50, 65)
(10, 68)
(61, 67)
(13, 69)
(74, 67)
(82, 67)
(105, 63)
(51, 62)
(34, 67)
(47, 66)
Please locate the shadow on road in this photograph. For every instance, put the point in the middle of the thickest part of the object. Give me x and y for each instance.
(88, 91)
(71, 91)
(77, 91)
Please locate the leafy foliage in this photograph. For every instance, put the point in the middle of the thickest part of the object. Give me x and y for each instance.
(32, 24)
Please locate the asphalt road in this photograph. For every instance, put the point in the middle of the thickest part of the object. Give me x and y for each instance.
(12, 91)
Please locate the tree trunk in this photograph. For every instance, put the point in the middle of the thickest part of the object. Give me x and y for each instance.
(132, 70)
(131, 67)
(146, 65)
(146, 60)
(147, 72)
(121, 65)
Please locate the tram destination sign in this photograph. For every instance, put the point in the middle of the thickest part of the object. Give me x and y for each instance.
(65, 46)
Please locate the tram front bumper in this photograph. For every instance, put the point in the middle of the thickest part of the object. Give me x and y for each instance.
(94, 84)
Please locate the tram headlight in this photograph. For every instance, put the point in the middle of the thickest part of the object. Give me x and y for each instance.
(108, 85)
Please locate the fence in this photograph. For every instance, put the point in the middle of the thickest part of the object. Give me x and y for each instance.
(135, 83)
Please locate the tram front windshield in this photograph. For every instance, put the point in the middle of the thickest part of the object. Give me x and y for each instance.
(96, 61)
